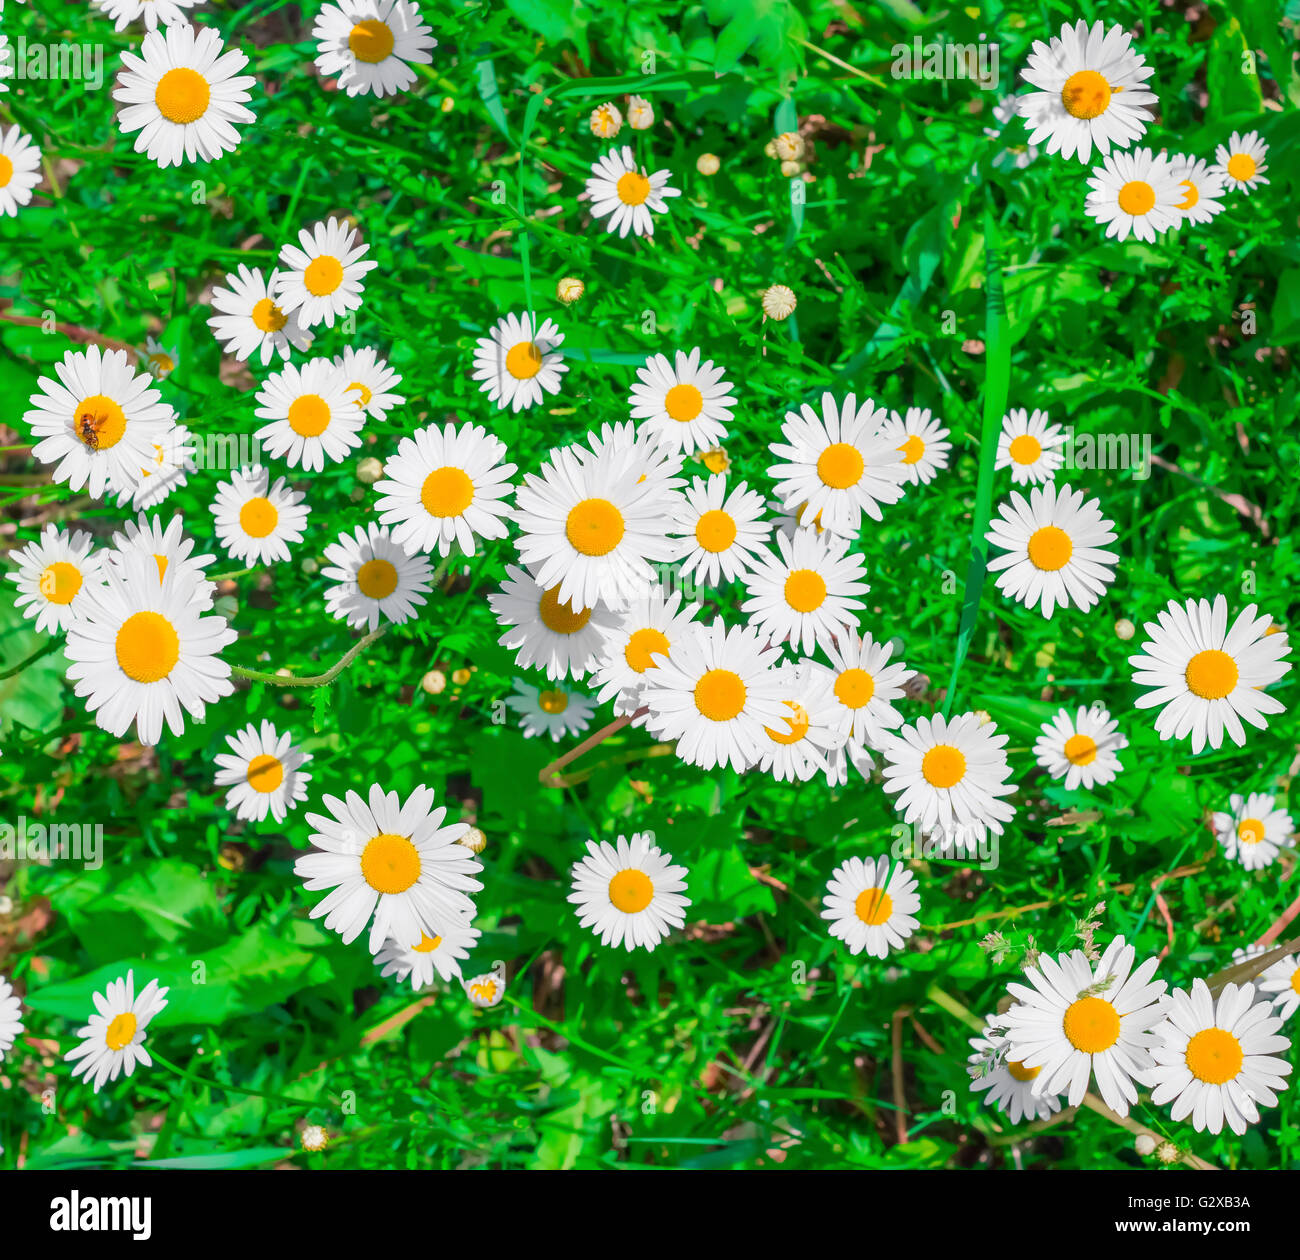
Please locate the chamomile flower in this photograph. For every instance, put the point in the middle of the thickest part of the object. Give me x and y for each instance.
(714, 694)
(312, 415)
(370, 45)
(920, 441)
(1081, 749)
(1138, 192)
(659, 464)
(156, 359)
(264, 772)
(1254, 830)
(1206, 677)
(838, 464)
(99, 422)
(324, 273)
(20, 168)
(142, 649)
(1053, 549)
(556, 710)
(865, 681)
(799, 745)
(112, 1043)
(446, 487)
(621, 190)
(1201, 187)
(11, 1018)
(949, 771)
(1006, 1084)
(169, 548)
(518, 363)
(485, 991)
(154, 12)
(1279, 984)
(546, 631)
(1014, 157)
(442, 953)
(256, 520)
(375, 578)
(806, 591)
(1028, 446)
(175, 457)
(184, 95)
(1089, 91)
(718, 535)
(685, 404)
(372, 380)
(54, 576)
(1240, 162)
(870, 906)
(1076, 1022)
(248, 320)
(592, 525)
(1217, 1058)
(642, 636)
(389, 863)
(629, 893)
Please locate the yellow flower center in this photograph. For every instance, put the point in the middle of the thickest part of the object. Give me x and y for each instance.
(715, 531)
(1137, 197)
(524, 361)
(720, 695)
(873, 906)
(683, 402)
(913, 449)
(389, 863)
(1085, 94)
(1192, 195)
(633, 188)
(1025, 449)
(1081, 750)
(1241, 166)
(1091, 1024)
(642, 646)
(182, 95)
(1050, 548)
(309, 415)
(799, 724)
(377, 579)
(1250, 831)
(594, 527)
(364, 392)
(148, 647)
(716, 461)
(6, 171)
(631, 891)
(1021, 1073)
(943, 766)
(854, 688)
(121, 1032)
(60, 582)
(161, 363)
(268, 317)
(561, 618)
(265, 773)
(100, 422)
(1211, 674)
(1295, 981)
(805, 590)
(371, 41)
(1214, 1056)
(447, 491)
(552, 701)
(258, 517)
(427, 944)
(483, 990)
(840, 465)
(323, 275)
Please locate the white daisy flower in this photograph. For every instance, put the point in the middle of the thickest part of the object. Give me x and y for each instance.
(446, 487)
(556, 710)
(1014, 157)
(374, 578)
(442, 953)
(1279, 984)
(54, 576)
(249, 322)
(799, 745)
(949, 772)
(11, 1018)
(717, 535)
(370, 45)
(1216, 1059)
(1201, 187)
(264, 773)
(1028, 446)
(390, 864)
(156, 359)
(312, 415)
(593, 525)
(1053, 549)
(99, 423)
(142, 651)
(870, 906)
(838, 465)
(112, 1043)
(1206, 677)
(1009, 1085)
(1254, 831)
(324, 273)
(183, 94)
(686, 405)
(714, 693)
(629, 893)
(372, 380)
(544, 630)
(631, 649)
(1081, 749)
(865, 682)
(154, 12)
(805, 593)
(255, 520)
(485, 991)
(518, 363)
(169, 547)
(1077, 1021)
(920, 441)
(175, 457)
(1089, 91)
(621, 189)
(1240, 162)
(20, 168)
(659, 464)
(1138, 192)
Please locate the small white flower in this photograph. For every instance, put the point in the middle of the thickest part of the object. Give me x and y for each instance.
(629, 893)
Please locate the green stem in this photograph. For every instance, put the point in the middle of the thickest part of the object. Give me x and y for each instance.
(302, 1104)
(317, 680)
(51, 645)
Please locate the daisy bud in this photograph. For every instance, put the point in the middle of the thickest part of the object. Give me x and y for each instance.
(640, 114)
(369, 470)
(434, 682)
(606, 121)
(460, 677)
(485, 991)
(309, 566)
(448, 104)
(569, 290)
(708, 164)
(474, 840)
(779, 302)
(1167, 1153)
(1144, 1144)
(1124, 629)
(789, 146)
(790, 169)
(770, 148)
(314, 1138)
